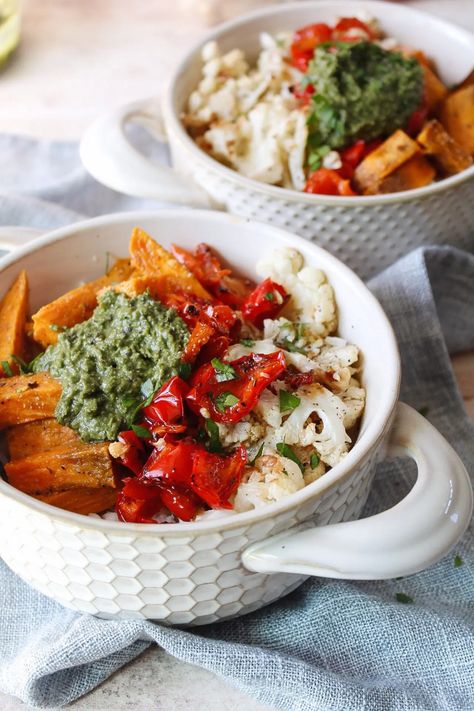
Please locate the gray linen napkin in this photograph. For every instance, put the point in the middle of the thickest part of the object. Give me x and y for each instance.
(330, 645)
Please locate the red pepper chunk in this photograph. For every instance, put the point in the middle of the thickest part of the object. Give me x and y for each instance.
(134, 456)
(325, 181)
(183, 504)
(266, 301)
(305, 41)
(167, 406)
(171, 464)
(216, 478)
(138, 503)
(230, 400)
(342, 30)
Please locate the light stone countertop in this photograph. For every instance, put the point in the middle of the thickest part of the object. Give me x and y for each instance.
(76, 59)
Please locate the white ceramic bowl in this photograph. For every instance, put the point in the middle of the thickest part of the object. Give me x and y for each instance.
(191, 573)
(367, 233)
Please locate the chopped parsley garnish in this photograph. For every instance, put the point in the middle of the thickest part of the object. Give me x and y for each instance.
(424, 410)
(184, 370)
(56, 327)
(24, 367)
(258, 455)
(288, 401)
(223, 371)
(458, 561)
(291, 347)
(142, 432)
(214, 442)
(270, 296)
(286, 451)
(316, 155)
(247, 342)
(403, 598)
(314, 460)
(6, 368)
(225, 400)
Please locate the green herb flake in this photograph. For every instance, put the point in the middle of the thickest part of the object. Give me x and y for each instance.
(142, 432)
(403, 598)
(247, 342)
(286, 451)
(288, 401)
(258, 455)
(24, 367)
(424, 411)
(314, 460)
(270, 296)
(458, 561)
(214, 443)
(223, 371)
(289, 346)
(225, 400)
(184, 370)
(6, 368)
(56, 327)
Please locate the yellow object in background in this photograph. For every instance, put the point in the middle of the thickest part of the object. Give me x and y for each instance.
(9, 27)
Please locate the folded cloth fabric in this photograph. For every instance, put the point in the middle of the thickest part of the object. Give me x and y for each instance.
(330, 645)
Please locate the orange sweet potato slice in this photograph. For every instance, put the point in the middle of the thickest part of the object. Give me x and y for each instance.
(13, 312)
(83, 501)
(75, 306)
(73, 465)
(149, 257)
(436, 141)
(389, 156)
(457, 116)
(414, 173)
(38, 436)
(24, 398)
(434, 89)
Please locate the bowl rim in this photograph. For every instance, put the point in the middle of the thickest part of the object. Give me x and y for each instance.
(374, 433)
(175, 126)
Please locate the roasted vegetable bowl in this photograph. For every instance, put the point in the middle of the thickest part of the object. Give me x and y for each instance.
(230, 557)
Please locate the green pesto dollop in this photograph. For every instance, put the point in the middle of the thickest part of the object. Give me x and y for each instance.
(102, 363)
(362, 92)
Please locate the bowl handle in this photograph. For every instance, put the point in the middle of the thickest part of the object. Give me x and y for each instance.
(110, 158)
(405, 539)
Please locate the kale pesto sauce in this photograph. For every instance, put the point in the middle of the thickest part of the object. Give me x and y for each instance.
(362, 91)
(102, 363)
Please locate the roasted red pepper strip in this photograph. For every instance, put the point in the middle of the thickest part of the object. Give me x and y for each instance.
(134, 457)
(138, 503)
(173, 463)
(326, 181)
(294, 379)
(205, 266)
(184, 504)
(200, 335)
(342, 30)
(305, 41)
(230, 400)
(216, 478)
(167, 406)
(265, 301)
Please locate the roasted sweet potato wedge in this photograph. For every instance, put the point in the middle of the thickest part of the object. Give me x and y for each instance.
(13, 313)
(393, 152)
(414, 173)
(75, 306)
(148, 257)
(435, 90)
(24, 398)
(436, 141)
(457, 116)
(74, 465)
(83, 501)
(38, 436)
